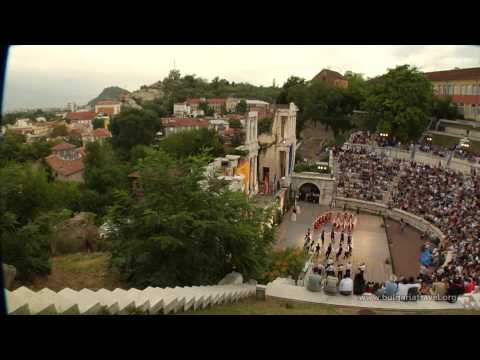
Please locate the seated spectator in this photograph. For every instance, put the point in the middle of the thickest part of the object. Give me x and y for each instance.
(424, 288)
(314, 281)
(346, 286)
(439, 289)
(359, 284)
(455, 289)
(403, 289)
(391, 287)
(370, 287)
(331, 285)
(469, 286)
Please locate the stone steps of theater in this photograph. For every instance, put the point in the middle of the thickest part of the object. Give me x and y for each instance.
(152, 300)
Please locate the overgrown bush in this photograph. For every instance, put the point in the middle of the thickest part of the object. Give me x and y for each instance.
(284, 263)
(265, 125)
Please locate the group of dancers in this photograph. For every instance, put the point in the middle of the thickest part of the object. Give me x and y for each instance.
(342, 223)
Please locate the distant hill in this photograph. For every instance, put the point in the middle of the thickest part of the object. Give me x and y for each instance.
(109, 93)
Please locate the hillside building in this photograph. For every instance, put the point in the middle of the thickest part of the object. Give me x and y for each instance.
(332, 78)
(462, 85)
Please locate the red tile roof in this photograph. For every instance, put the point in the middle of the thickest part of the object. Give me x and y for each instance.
(107, 102)
(456, 74)
(208, 101)
(184, 122)
(82, 151)
(216, 101)
(63, 146)
(81, 115)
(64, 167)
(101, 132)
(135, 174)
(330, 74)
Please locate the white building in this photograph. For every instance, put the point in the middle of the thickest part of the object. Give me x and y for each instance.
(181, 110)
(71, 106)
(257, 105)
(108, 107)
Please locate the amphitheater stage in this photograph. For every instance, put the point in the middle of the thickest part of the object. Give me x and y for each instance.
(370, 245)
(405, 249)
(369, 239)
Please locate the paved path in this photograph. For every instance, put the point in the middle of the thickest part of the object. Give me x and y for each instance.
(292, 234)
(370, 245)
(405, 249)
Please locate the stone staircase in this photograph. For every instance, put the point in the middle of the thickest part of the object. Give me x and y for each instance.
(152, 300)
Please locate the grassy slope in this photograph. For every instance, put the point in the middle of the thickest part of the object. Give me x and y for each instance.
(271, 306)
(78, 271)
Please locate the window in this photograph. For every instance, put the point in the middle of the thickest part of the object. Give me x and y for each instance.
(454, 89)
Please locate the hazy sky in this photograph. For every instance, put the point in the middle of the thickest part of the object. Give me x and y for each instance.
(43, 76)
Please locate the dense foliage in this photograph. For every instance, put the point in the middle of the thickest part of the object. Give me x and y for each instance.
(284, 263)
(180, 234)
(178, 88)
(192, 143)
(30, 208)
(400, 103)
(134, 127)
(14, 148)
(98, 123)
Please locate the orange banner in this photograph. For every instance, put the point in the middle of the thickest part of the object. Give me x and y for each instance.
(244, 169)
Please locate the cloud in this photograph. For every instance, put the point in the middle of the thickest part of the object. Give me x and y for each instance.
(54, 75)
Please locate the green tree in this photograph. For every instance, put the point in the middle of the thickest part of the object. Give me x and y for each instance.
(192, 143)
(133, 127)
(402, 97)
(14, 148)
(98, 123)
(265, 125)
(180, 234)
(59, 130)
(241, 107)
(444, 108)
(235, 123)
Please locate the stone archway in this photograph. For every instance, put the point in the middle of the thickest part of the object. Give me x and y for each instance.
(308, 191)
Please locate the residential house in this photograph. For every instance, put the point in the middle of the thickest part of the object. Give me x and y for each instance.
(231, 104)
(332, 78)
(175, 125)
(108, 107)
(216, 104)
(21, 126)
(66, 162)
(463, 85)
(97, 135)
(81, 118)
(257, 105)
(181, 110)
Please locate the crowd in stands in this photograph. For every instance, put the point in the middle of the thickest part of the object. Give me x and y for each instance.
(364, 176)
(447, 199)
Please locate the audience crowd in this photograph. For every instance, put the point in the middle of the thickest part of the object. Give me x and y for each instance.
(445, 198)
